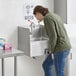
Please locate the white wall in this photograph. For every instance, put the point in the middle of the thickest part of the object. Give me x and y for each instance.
(11, 16)
(71, 30)
(71, 20)
(71, 11)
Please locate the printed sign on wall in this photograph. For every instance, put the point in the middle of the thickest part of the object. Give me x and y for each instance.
(28, 10)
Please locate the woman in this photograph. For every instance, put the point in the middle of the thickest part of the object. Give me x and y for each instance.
(59, 44)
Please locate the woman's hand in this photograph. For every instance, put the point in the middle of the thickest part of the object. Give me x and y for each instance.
(52, 55)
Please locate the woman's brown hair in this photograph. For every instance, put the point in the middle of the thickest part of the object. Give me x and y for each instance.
(41, 10)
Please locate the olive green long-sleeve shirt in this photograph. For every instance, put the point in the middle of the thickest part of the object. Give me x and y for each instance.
(58, 38)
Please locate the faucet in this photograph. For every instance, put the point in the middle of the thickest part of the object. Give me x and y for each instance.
(32, 25)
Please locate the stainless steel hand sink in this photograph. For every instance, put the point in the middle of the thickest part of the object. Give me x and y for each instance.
(33, 42)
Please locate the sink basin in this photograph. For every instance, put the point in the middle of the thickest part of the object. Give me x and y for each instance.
(38, 33)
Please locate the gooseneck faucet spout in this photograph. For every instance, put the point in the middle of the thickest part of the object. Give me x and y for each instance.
(32, 25)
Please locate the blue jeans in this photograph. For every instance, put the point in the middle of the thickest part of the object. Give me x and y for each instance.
(59, 62)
